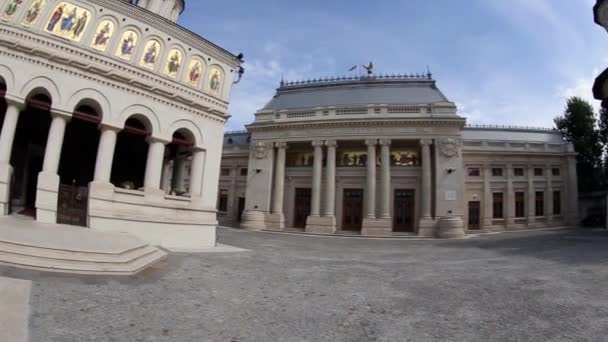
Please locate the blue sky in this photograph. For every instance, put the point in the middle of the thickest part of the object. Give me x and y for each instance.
(502, 61)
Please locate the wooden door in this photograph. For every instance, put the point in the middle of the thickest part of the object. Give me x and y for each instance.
(352, 213)
(241, 208)
(72, 205)
(404, 211)
(474, 215)
(302, 207)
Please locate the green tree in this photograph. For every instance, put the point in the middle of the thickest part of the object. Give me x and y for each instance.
(603, 135)
(578, 126)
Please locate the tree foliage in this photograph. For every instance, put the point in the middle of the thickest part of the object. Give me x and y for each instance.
(578, 126)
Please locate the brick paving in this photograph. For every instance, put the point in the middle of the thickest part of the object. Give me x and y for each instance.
(542, 286)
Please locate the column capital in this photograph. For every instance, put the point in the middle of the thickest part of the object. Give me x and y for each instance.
(317, 143)
(371, 142)
(109, 127)
(331, 143)
(385, 142)
(58, 113)
(280, 144)
(15, 102)
(426, 142)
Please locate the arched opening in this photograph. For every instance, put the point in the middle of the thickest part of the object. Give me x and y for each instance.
(27, 155)
(131, 154)
(77, 164)
(3, 104)
(177, 165)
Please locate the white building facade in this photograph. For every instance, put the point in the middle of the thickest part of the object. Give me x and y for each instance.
(103, 102)
(309, 151)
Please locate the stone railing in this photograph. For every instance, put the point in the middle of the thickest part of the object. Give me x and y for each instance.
(368, 78)
(511, 127)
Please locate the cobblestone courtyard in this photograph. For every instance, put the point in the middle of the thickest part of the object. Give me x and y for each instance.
(542, 286)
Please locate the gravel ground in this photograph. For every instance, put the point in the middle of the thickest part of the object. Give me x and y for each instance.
(541, 286)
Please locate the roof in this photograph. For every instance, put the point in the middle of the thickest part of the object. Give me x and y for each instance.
(512, 134)
(357, 91)
(236, 138)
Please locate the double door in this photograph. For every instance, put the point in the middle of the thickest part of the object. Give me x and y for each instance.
(302, 207)
(352, 217)
(404, 211)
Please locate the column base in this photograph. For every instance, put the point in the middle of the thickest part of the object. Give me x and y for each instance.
(321, 224)
(101, 190)
(153, 195)
(427, 228)
(47, 197)
(276, 221)
(451, 227)
(254, 220)
(377, 227)
(6, 174)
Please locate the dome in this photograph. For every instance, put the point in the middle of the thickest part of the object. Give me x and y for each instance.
(170, 9)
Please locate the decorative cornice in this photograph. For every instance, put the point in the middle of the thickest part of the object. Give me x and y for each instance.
(331, 143)
(371, 142)
(383, 78)
(95, 67)
(317, 143)
(418, 122)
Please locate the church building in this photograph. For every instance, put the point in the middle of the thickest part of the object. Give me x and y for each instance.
(111, 118)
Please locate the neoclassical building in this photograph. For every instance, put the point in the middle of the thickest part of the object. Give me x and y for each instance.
(112, 117)
(389, 155)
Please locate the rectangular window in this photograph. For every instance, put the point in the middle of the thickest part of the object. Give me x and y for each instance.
(497, 205)
(539, 208)
(474, 172)
(243, 172)
(557, 203)
(225, 172)
(556, 172)
(518, 172)
(520, 204)
(497, 172)
(538, 172)
(222, 202)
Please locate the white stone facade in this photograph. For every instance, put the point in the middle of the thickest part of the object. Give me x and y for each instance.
(122, 62)
(433, 176)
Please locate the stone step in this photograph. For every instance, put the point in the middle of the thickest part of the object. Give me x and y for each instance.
(131, 267)
(59, 254)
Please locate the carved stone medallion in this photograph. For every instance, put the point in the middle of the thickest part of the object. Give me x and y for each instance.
(449, 147)
(260, 150)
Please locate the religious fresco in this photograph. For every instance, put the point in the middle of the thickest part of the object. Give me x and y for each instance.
(68, 21)
(128, 42)
(215, 80)
(352, 158)
(195, 73)
(150, 54)
(405, 158)
(174, 63)
(11, 8)
(33, 13)
(102, 36)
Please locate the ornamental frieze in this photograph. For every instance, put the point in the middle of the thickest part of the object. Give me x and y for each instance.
(449, 147)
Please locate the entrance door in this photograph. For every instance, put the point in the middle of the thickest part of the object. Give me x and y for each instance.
(302, 207)
(72, 205)
(241, 208)
(405, 207)
(352, 217)
(474, 215)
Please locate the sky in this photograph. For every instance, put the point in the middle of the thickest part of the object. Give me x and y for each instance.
(509, 62)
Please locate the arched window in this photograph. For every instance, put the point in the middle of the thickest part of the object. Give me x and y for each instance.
(177, 170)
(131, 154)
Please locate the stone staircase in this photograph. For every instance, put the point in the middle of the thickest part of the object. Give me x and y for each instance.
(62, 249)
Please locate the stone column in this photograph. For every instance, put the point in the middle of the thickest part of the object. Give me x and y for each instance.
(385, 200)
(315, 207)
(370, 191)
(7, 137)
(572, 209)
(487, 197)
(510, 198)
(426, 227)
(165, 183)
(277, 220)
(52, 154)
(549, 194)
(330, 180)
(197, 173)
(8, 131)
(179, 171)
(154, 165)
(531, 200)
(105, 154)
(47, 194)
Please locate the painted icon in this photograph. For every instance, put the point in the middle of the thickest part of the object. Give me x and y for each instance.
(215, 80)
(33, 12)
(102, 36)
(151, 52)
(11, 9)
(68, 21)
(128, 42)
(195, 72)
(174, 63)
